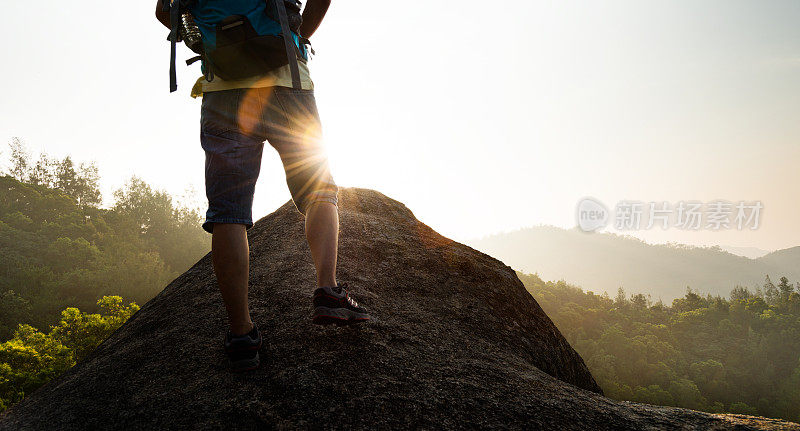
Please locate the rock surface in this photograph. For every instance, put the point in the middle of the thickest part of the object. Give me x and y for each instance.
(457, 343)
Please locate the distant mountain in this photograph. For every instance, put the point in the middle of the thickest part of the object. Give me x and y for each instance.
(783, 258)
(751, 252)
(604, 262)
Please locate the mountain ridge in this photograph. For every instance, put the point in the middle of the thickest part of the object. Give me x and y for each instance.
(610, 261)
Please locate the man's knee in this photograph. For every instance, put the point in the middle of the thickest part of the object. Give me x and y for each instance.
(305, 202)
(317, 204)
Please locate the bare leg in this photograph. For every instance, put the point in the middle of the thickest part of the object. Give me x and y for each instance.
(230, 254)
(322, 234)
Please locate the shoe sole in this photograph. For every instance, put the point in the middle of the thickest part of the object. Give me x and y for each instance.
(248, 364)
(337, 316)
(243, 365)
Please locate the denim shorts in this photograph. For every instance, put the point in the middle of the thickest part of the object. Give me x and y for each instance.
(233, 127)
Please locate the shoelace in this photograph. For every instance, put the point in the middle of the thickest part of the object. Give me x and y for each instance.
(343, 288)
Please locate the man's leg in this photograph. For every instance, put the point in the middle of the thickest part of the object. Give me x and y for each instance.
(322, 234)
(332, 302)
(233, 148)
(295, 132)
(296, 135)
(230, 254)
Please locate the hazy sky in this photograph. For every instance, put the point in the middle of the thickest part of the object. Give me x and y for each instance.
(480, 116)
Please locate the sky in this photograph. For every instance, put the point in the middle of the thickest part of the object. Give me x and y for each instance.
(481, 117)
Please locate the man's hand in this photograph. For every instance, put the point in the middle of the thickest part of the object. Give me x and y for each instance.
(161, 16)
(312, 16)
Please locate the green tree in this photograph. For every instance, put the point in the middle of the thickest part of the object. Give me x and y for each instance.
(13, 308)
(770, 292)
(785, 290)
(87, 186)
(44, 172)
(32, 358)
(740, 293)
(20, 159)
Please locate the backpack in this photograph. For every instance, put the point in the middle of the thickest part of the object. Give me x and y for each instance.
(237, 39)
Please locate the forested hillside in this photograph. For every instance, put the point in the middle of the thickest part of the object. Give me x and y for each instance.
(739, 354)
(59, 248)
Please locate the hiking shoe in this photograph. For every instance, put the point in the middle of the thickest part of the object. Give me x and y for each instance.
(335, 305)
(242, 350)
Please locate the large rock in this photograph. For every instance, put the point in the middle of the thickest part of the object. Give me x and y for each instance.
(456, 342)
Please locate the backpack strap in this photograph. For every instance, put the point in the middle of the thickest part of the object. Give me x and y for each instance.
(288, 42)
(174, 7)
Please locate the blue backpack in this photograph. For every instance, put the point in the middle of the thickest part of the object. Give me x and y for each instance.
(237, 39)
